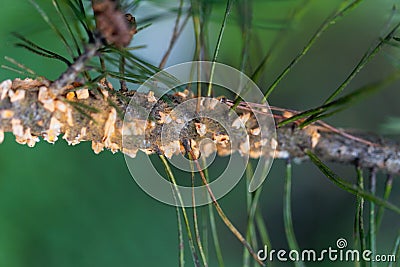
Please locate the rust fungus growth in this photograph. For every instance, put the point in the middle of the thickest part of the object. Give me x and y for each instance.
(151, 98)
(171, 148)
(27, 138)
(241, 121)
(82, 93)
(164, 118)
(245, 147)
(30, 111)
(18, 95)
(46, 99)
(255, 131)
(17, 128)
(51, 135)
(7, 114)
(97, 147)
(70, 96)
(221, 139)
(314, 134)
(130, 152)
(201, 129)
(1, 136)
(109, 127)
(5, 86)
(207, 147)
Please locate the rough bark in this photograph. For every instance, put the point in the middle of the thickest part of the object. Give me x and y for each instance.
(30, 111)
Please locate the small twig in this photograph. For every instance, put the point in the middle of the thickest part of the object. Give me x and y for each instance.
(71, 74)
(175, 34)
(122, 82)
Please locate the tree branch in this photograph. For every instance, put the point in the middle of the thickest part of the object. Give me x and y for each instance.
(29, 110)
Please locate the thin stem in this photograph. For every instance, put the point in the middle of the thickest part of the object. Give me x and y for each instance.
(181, 246)
(287, 213)
(195, 221)
(67, 25)
(52, 26)
(246, 24)
(31, 46)
(359, 235)
(361, 64)
(186, 218)
(71, 74)
(386, 195)
(252, 204)
(262, 229)
(122, 82)
(329, 22)
(347, 186)
(197, 34)
(351, 97)
(204, 231)
(292, 18)
(214, 231)
(372, 51)
(396, 250)
(174, 37)
(25, 69)
(372, 218)
(218, 45)
(222, 215)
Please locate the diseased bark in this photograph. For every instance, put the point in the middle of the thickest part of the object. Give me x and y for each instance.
(29, 110)
(372, 153)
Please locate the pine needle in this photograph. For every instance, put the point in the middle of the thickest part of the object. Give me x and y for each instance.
(349, 187)
(287, 213)
(323, 28)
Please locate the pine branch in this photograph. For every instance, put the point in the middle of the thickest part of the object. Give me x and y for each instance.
(30, 111)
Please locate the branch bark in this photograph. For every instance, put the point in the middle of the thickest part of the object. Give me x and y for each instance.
(29, 110)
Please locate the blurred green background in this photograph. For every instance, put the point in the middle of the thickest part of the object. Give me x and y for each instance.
(66, 206)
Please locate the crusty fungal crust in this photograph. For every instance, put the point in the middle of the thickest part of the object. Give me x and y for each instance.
(97, 147)
(109, 130)
(82, 93)
(171, 148)
(29, 111)
(201, 128)
(105, 129)
(46, 99)
(1, 135)
(151, 98)
(17, 128)
(16, 95)
(27, 138)
(241, 121)
(6, 114)
(5, 86)
(51, 135)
